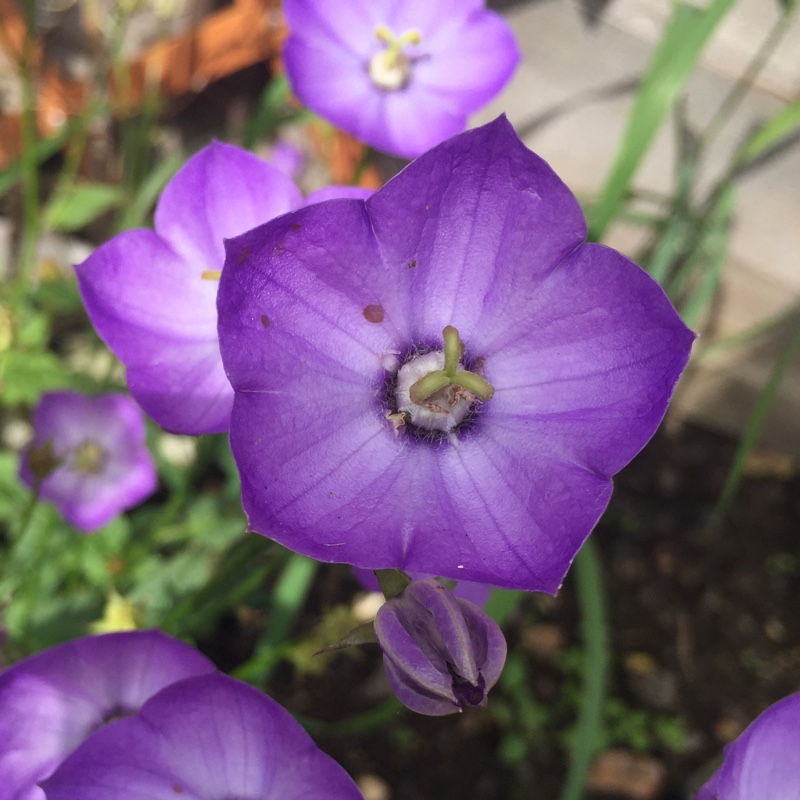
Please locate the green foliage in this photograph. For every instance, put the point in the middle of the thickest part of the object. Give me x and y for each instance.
(671, 66)
(76, 206)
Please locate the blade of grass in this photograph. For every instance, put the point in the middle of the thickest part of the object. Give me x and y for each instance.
(680, 47)
(752, 429)
(288, 598)
(769, 135)
(596, 658)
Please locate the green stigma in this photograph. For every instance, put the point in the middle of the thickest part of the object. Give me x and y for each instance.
(434, 392)
(390, 68)
(426, 387)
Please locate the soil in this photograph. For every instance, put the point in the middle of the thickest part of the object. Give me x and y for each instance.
(705, 636)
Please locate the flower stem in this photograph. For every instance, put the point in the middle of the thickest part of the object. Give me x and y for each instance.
(29, 160)
(745, 81)
(596, 656)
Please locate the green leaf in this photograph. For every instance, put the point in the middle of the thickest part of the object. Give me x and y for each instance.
(25, 376)
(676, 56)
(78, 205)
(769, 135)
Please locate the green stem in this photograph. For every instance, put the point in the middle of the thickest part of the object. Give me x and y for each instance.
(596, 657)
(29, 161)
(743, 85)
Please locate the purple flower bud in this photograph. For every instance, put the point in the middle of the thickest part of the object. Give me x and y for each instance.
(764, 762)
(441, 653)
(208, 738)
(89, 456)
(54, 700)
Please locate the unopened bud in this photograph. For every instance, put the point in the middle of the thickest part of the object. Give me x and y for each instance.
(441, 653)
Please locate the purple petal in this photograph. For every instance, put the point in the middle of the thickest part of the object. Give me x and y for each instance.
(209, 738)
(589, 376)
(764, 762)
(220, 192)
(338, 193)
(51, 702)
(114, 423)
(484, 221)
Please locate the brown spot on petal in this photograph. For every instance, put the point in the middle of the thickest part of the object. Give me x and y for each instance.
(412, 263)
(243, 255)
(373, 313)
(265, 320)
(296, 226)
(177, 789)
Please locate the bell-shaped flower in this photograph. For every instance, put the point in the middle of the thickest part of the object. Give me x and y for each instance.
(151, 295)
(53, 701)
(89, 457)
(205, 738)
(400, 76)
(443, 378)
(764, 762)
(441, 653)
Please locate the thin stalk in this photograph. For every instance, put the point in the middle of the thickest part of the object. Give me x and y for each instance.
(29, 161)
(743, 85)
(596, 658)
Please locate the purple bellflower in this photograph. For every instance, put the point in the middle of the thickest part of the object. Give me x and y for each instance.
(400, 76)
(151, 294)
(89, 456)
(441, 653)
(764, 762)
(443, 378)
(207, 738)
(54, 700)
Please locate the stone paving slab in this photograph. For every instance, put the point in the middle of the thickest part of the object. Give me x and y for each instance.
(570, 100)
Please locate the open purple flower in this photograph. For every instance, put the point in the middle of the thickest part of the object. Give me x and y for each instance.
(89, 456)
(443, 378)
(208, 738)
(53, 701)
(400, 76)
(764, 762)
(441, 653)
(151, 294)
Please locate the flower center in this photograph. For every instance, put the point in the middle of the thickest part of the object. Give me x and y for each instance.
(88, 458)
(390, 68)
(434, 392)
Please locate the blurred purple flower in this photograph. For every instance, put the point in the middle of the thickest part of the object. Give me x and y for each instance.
(288, 158)
(90, 455)
(764, 762)
(54, 700)
(400, 76)
(441, 653)
(208, 738)
(360, 440)
(151, 295)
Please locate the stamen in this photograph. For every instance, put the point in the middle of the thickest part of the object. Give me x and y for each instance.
(390, 69)
(211, 274)
(89, 458)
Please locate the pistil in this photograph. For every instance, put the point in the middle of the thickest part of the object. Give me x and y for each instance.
(390, 69)
(434, 392)
(89, 458)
